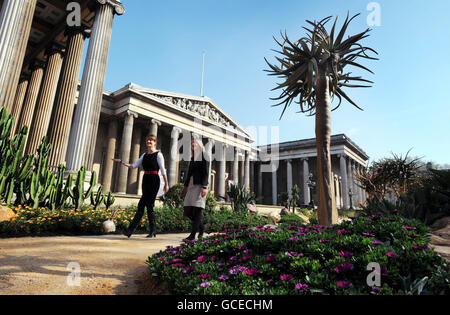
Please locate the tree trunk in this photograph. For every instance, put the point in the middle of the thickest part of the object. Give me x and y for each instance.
(327, 205)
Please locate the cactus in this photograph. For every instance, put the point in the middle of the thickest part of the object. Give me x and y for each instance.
(77, 192)
(59, 194)
(109, 200)
(42, 181)
(98, 200)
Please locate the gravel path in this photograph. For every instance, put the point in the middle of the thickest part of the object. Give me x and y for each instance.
(108, 265)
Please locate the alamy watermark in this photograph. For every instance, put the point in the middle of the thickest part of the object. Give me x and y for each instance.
(74, 277)
(74, 14)
(374, 17)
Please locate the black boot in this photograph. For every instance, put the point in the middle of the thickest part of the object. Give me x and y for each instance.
(152, 224)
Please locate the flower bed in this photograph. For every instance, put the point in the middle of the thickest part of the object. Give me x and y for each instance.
(88, 221)
(305, 260)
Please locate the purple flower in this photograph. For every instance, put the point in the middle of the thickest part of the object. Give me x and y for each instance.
(270, 258)
(368, 234)
(233, 271)
(344, 284)
(292, 254)
(343, 232)
(419, 247)
(214, 258)
(409, 228)
(204, 276)
(162, 258)
(392, 255)
(344, 268)
(223, 278)
(179, 265)
(377, 242)
(205, 284)
(206, 242)
(293, 239)
(202, 259)
(324, 241)
(411, 235)
(301, 287)
(376, 289)
(188, 269)
(240, 247)
(247, 251)
(301, 234)
(245, 258)
(251, 272)
(286, 277)
(345, 254)
(233, 258)
(260, 236)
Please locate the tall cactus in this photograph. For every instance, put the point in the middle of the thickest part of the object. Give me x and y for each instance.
(109, 200)
(77, 192)
(59, 194)
(98, 199)
(42, 181)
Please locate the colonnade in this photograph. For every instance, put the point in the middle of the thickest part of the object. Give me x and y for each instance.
(344, 182)
(44, 101)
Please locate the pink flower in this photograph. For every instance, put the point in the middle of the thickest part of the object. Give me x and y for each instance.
(392, 255)
(178, 265)
(324, 241)
(343, 232)
(240, 247)
(344, 284)
(224, 278)
(270, 258)
(245, 258)
(344, 268)
(202, 259)
(345, 254)
(286, 277)
(204, 276)
(251, 272)
(409, 228)
(377, 242)
(188, 269)
(301, 287)
(293, 239)
(368, 234)
(419, 247)
(205, 284)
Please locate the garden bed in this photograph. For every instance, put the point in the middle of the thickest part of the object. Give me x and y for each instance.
(45, 222)
(295, 259)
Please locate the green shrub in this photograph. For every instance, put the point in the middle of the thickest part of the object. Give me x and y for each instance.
(173, 197)
(292, 219)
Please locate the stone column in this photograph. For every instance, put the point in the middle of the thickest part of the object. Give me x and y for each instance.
(306, 193)
(125, 148)
(356, 198)
(236, 166)
(87, 114)
(350, 182)
(274, 188)
(221, 189)
(289, 177)
(260, 180)
(44, 105)
(209, 147)
(18, 102)
(65, 98)
(344, 181)
(247, 170)
(110, 154)
(135, 155)
(154, 125)
(16, 18)
(29, 103)
(173, 158)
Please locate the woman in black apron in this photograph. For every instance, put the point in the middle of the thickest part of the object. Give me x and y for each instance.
(152, 162)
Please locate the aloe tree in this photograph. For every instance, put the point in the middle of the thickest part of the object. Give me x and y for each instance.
(313, 72)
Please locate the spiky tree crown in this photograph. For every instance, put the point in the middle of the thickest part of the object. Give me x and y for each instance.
(301, 61)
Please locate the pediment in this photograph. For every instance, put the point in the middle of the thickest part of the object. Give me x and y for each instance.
(201, 107)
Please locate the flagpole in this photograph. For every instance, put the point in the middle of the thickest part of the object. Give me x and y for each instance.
(203, 73)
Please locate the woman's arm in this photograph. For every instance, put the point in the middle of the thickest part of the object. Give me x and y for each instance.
(131, 166)
(160, 159)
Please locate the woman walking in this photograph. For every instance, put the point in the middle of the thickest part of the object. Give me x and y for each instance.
(196, 188)
(152, 162)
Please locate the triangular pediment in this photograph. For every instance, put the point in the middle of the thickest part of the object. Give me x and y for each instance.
(202, 107)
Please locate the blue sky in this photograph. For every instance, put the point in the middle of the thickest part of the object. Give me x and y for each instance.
(159, 44)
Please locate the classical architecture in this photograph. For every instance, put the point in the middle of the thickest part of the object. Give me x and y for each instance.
(40, 63)
(297, 165)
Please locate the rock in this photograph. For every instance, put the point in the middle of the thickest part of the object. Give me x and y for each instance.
(440, 224)
(109, 226)
(6, 214)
